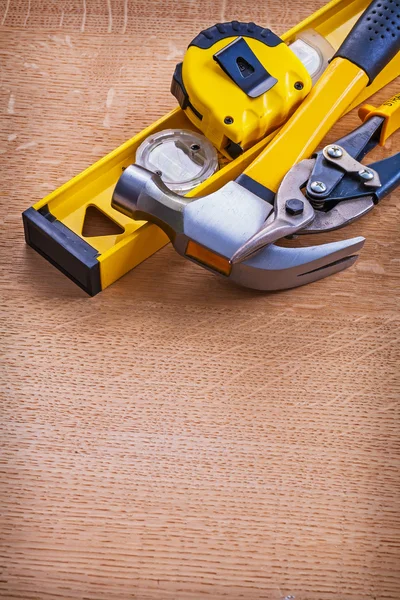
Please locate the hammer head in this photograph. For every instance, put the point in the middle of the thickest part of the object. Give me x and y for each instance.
(209, 230)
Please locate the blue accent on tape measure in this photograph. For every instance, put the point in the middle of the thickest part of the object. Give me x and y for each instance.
(220, 31)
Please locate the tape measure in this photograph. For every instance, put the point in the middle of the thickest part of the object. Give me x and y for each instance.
(237, 83)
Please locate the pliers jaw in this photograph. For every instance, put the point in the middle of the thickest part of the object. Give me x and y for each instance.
(357, 144)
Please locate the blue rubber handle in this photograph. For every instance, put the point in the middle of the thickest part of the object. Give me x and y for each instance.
(389, 174)
(375, 38)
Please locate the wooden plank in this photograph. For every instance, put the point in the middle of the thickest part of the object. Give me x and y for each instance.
(175, 436)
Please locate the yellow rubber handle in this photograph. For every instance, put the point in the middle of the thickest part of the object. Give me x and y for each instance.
(390, 111)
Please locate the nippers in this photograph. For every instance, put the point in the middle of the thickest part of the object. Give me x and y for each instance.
(339, 189)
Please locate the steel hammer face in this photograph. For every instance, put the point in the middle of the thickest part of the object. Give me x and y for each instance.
(209, 230)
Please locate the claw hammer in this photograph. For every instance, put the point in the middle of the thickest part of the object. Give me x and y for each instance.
(209, 230)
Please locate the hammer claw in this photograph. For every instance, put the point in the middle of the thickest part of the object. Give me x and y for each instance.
(277, 268)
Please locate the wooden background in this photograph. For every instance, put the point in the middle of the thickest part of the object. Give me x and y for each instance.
(176, 437)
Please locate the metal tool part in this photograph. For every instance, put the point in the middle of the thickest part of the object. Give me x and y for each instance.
(334, 151)
(339, 216)
(342, 159)
(318, 187)
(351, 199)
(209, 230)
(285, 221)
(357, 190)
(367, 175)
(357, 143)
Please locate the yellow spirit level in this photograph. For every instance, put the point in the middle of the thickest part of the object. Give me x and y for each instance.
(54, 226)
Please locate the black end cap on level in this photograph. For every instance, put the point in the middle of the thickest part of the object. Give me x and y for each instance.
(63, 248)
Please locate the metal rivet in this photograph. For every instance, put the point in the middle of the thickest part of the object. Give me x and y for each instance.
(298, 85)
(335, 151)
(294, 206)
(195, 147)
(159, 173)
(366, 174)
(318, 186)
(228, 120)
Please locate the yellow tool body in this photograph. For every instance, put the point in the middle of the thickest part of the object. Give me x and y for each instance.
(230, 116)
(53, 226)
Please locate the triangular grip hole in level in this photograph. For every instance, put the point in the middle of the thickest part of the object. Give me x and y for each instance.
(96, 223)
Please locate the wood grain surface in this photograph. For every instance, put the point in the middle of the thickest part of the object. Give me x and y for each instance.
(177, 437)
